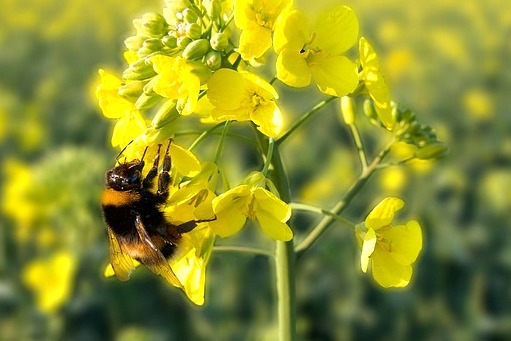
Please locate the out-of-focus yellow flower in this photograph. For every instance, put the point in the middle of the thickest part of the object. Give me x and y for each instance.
(51, 279)
(391, 250)
(176, 80)
(16, 203)
(393, 179)
(242, 96)
(233, 207)
(130, 123)
(315, 51)
(375, 83)
(256, 19)
(479, 104)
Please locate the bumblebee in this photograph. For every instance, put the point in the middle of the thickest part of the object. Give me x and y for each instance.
(136, 224)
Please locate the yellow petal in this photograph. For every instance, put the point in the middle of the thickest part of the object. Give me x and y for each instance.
(260, 86)
(184, 161)
(227, 89)
(238, 195)
(254, 42)
(387, 272)
(128, 128)
(268, 118)
(274, 228)
(191, 271)
(269, 202)
(383, 213)
(406, 242)
(111, 103)
(291, 31)
(336, 30)
(369, 243)
(334, 75)
(228, 222)
(292, 68)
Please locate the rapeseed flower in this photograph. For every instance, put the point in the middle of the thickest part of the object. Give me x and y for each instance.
(306, 51)
(242, 96)
(130, 123)
(233, 207)
(391, 250)
(256, 19)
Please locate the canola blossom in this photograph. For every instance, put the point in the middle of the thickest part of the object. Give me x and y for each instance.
(315, 51)
(390, 249)
(256, 19)
(233, 207)
(242, 96)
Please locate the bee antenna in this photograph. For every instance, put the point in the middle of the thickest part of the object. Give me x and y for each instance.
(122, 151)
(168, 146)
(145, 150)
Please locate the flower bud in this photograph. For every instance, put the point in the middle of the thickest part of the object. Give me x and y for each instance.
(154, 24)
(213, 8)
(190, 16)
(348, 110)
(219, 41)
(147, 101)
(213, 60)
(193, 31)
(253, 179)
(183, 42)
(133, 43)
(153, 44)
(132, 89)
(139, 70)
(196, 49)
(432, 150)
(166, 113)
(370, 112)
(169, 41)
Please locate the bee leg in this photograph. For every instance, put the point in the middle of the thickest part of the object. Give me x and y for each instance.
(190, 225)
(153, 172)
(164, 177)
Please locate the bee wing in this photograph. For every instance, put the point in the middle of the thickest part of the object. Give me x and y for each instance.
(158, 264)
(121, 262)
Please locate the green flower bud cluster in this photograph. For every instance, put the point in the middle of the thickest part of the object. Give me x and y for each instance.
(409, 130)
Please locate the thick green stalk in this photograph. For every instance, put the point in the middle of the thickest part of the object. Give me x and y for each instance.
(285, 257)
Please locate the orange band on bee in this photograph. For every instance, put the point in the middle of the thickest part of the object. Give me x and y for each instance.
(117, 198)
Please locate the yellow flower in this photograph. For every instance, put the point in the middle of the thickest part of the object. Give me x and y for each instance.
(256, 19)
(51, 280)
(391, 250)
(242, 96)
(175, 80)
(375, 83)
(233, 207)
(130, 123)
(315, 51)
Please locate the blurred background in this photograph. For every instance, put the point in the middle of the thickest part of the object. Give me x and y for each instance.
(448, 60)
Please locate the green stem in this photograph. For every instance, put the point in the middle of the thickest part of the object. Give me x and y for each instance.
(220, 146)
(242, 249)
(324, 223)
(204, 134)
(285, 257)
(318, 210)
(304, 118)
(269, 155)
(360, 148)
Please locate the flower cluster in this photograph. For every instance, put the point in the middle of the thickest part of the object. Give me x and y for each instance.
(190, 67)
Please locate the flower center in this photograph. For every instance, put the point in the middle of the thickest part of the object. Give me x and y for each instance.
(384, 243)
(250, 211)
(262, 20)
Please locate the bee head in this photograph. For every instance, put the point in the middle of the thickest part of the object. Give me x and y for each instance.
(126, 176)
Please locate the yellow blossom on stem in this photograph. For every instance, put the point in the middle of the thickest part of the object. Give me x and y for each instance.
(175, 80)
(233, 207)
(391, 250)
(375, 83)
(242, 96)
(51, 280)
(256, 19)
(315, 51)
(130, 123)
